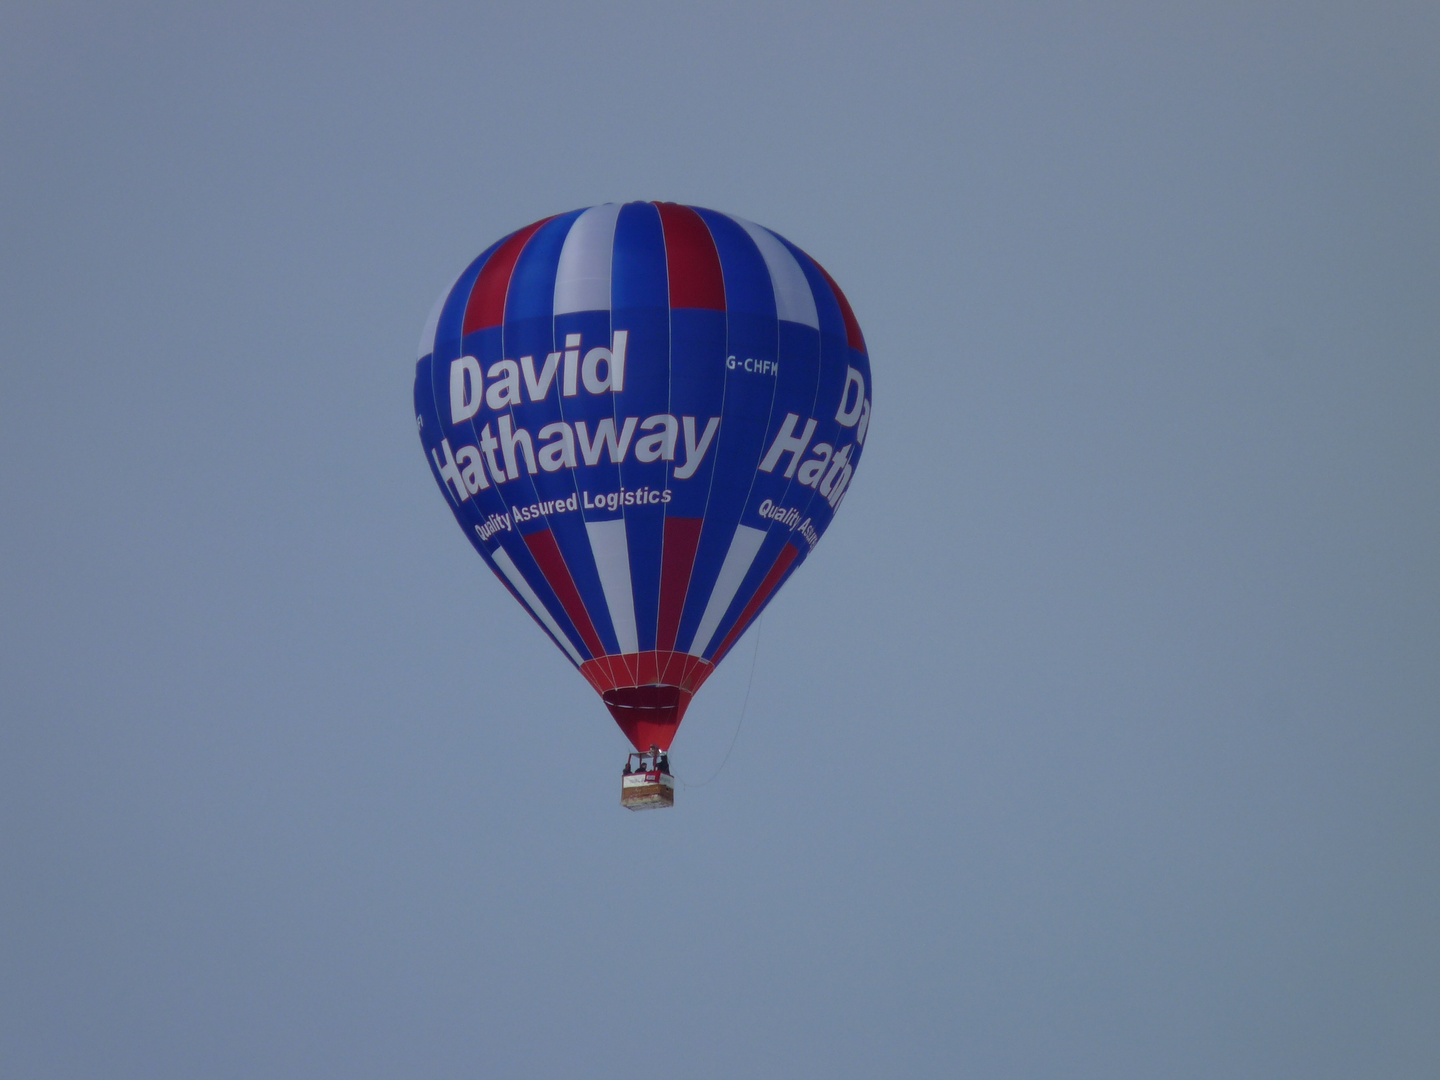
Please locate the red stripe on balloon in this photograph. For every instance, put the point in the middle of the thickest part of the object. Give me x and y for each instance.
(588, 669)
(682, 537)
(852, 325)
(782, 563)
(655, 669)
(486, 306)
(696, 280)
(628, 665)
(552, 564)
(615, 673)
(672, 671)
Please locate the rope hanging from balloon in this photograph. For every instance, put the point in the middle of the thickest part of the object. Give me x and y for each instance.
(745, 704)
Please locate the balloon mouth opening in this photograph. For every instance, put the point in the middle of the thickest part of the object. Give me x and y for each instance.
(648, 715)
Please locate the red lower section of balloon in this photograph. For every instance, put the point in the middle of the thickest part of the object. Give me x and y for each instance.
(648, 715)
(647, 693)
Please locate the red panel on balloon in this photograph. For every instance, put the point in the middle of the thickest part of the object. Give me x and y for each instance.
(682, 537)
(696, 280)
(852, 326)
(547, 554)
(487, 299)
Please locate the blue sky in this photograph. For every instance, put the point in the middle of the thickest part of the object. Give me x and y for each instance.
(1097, 739)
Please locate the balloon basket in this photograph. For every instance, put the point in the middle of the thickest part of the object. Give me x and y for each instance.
(647, 783)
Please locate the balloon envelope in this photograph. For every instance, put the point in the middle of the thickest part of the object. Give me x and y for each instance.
(643, 417)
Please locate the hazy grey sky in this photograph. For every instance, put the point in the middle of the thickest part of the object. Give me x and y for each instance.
(1099, 737)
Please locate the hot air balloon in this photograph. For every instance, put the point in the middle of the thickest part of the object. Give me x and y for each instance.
(643, 417)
